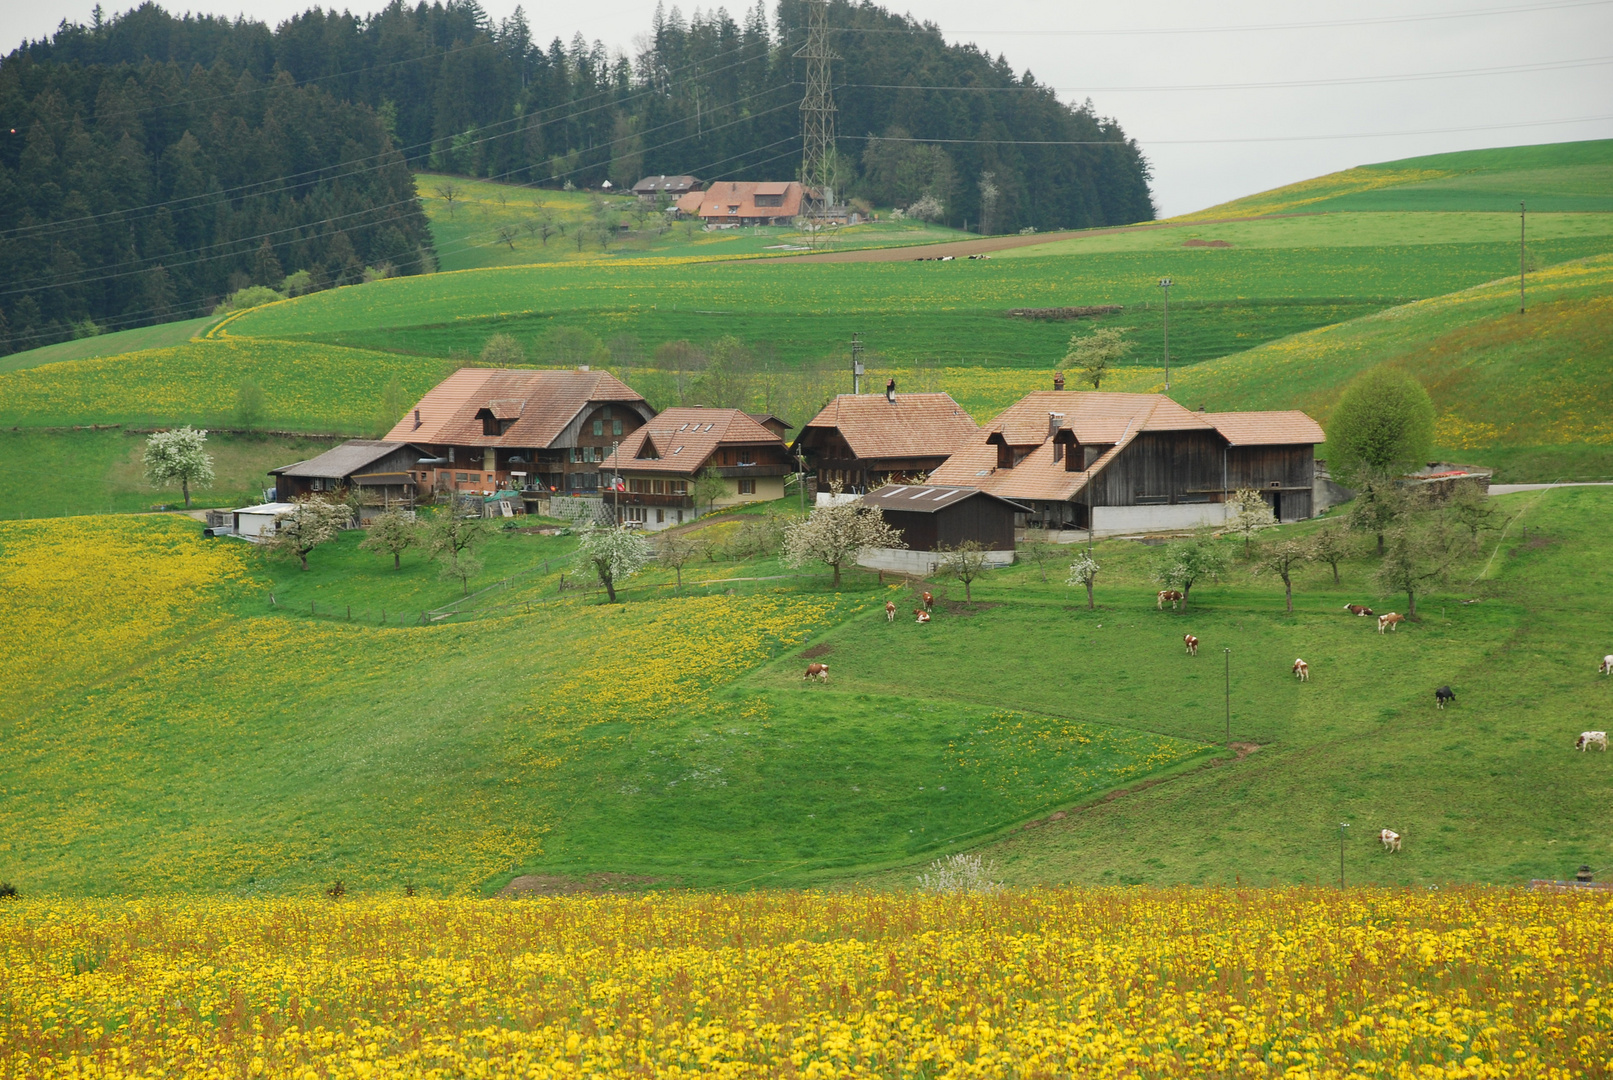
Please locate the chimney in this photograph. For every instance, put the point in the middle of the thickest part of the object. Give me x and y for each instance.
(1055, 420)
(890, 391)
(1058, 380)
(417, 419)
(582, 367)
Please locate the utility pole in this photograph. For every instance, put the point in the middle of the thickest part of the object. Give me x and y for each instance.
(616, 481)
(1522, 260)
(857, 369)
(1165, 287)
(1228, 687)
(1343, 825)
(817, 113)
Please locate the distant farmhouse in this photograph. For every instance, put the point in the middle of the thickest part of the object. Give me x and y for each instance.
(1136, 462)
(864, 440)
(658, 464)
(489, 430)
(385, 474)
(673, 187)
(743, 202)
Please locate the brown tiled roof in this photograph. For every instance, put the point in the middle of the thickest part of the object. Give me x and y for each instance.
(675, 185)
(684, 438)
(342, 461)
(542, 404)
(1267, 428)
(735, 199)
(915, 426)
(926, 498)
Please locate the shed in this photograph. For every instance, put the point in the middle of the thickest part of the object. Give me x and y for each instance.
(933, 517)
(256, 523)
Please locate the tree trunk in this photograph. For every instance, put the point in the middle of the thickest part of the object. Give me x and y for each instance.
(1380, 545)
(397, 560)
(679, 571)
(1186, 589)
(1335, 572)
(610, 590)
(1288, 591)
(303, 555)
(184, 485)
(1411, 604)
(836, 582)
(967, 595)
(1089, 596)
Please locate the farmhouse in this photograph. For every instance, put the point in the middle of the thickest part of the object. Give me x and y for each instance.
(933, 518)
(1133, 462)
(863, 440)
(674, 187)
(386, 473)
(489, 430)
(657, 465)
(741, 202)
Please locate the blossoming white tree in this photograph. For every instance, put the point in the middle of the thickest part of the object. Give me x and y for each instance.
(1084, 571)
(833, 535)
(178, 455)
(312, 522)
(617, 553)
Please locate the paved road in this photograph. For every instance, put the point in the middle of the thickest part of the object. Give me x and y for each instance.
(1508, 489)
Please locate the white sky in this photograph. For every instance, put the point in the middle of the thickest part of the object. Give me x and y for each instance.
(1447, 113)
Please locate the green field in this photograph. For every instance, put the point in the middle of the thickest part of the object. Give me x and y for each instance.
(197, 736)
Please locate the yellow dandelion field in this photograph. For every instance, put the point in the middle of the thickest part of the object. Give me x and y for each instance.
(1308, 983)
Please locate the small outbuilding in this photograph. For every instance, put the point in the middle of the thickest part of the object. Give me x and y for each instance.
(256, 523)
(934, 518)
(385, 473)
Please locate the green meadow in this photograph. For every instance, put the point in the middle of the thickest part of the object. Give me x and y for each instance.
(247, 745)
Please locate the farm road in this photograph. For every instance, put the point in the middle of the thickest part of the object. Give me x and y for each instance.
(1508, 489)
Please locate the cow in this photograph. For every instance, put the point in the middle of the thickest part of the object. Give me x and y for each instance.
(817, 671)
(1171, 597)
(1588, 739)
(890, 611)
(1192, 644)
(1607, 666)
(1444, 695)
(1390, 621)
(923, 616)
(1357, 609)
(1390, 838)
(929, 602)
(1302, 671)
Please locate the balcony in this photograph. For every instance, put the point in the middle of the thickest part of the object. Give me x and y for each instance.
(753, 470)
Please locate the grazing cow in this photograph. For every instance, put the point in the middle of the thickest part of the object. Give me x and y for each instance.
(1192, 644)
(1390, 838)
(1588, 739)
(923, 616)
(1171, 597)
(1390, 621)
(929, 602)
(1357, 609)
(890, 611)
(1444, 695)
(1607, 665)
(1302, 671)
(817, 671)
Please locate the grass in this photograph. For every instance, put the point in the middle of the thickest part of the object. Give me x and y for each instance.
(228, 745)
(161, 336)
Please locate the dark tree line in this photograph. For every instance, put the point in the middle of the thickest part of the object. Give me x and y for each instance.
(161, 162)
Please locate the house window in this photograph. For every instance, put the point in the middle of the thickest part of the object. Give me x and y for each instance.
(659, 487)
(677, 487)
(461, 476)
(599, 427)
(615, 427)
(747, 457)
(747, 486)
(660, 517)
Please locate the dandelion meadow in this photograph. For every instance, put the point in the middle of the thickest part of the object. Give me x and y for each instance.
(1046, 983)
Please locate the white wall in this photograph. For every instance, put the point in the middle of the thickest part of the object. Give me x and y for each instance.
(1109, 520)
(903, 561)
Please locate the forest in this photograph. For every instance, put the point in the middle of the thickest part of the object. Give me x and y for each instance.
(152, 164)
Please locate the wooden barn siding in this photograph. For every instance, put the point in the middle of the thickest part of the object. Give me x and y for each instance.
(1293, 468)
(1169, 464)
(918, 530)
(986, 521)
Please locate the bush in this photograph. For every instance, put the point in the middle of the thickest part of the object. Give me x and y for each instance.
(961, 873)
(1383, 425)
(8, 891)
(250, 297)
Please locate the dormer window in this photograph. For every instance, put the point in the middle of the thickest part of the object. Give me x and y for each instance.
(1005, 453)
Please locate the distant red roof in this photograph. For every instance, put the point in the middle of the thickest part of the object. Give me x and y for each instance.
(542, 404)
(737, 200)
(682, 439)
(915, 426)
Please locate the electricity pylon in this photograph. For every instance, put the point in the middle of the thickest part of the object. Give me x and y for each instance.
(817, 113)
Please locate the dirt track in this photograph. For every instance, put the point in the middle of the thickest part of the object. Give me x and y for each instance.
(960, 249)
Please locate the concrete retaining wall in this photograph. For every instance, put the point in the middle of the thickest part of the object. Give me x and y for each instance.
(920, 563)
(1113, 520)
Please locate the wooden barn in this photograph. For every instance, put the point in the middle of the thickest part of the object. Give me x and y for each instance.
(934, 518)
(1117, 463)
(385, 473)
(864, 440)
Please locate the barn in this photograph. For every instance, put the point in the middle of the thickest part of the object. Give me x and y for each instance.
(934, 518)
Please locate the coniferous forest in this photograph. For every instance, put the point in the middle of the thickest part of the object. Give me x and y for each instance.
(151, 164)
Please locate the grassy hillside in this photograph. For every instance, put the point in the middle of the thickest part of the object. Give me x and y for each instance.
(1572, 177)
(195, 736)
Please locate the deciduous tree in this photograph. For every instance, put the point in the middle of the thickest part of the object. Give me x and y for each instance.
(1250, 513)
(1382, 426)
(1281, 557)
(1328, 546)
(452, 539)
(393, 531)
(707, 488)
(180, 455)
(1378, 505)
(615, 552)
(1187, 562)
(1084, 571)
(833, 535)
(676, 550)
(502, 350)
(966, 562)
(1095, 353)
(314, 520)
(1421, 548)
(248, 404)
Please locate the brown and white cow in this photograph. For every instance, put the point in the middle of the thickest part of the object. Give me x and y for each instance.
(929, 602)
(1357, 609)
(1390, 838)
(1171, 597)
(1607, 665)
(1390, 621)
(890, 611)
(1302, 671)
(1588, 739)
(817, 671)
(1192, 644)
(923, 616)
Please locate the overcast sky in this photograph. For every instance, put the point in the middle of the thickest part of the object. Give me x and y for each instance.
(1172, 91)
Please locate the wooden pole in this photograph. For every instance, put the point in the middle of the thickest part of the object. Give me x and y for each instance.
(1522, 260)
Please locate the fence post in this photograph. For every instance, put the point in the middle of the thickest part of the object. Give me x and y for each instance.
(383, 616)
(349, 612)
(313, 607)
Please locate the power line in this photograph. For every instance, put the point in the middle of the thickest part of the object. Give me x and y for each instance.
(1241, 28)
(1463, 73)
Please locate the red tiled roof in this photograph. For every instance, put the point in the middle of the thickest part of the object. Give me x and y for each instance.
(542, 404)
(736, 199)
(684, 438)
(1267, 428)
(915, 426)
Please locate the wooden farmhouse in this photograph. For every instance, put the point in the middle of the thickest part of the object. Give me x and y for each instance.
(864, 440)
(1119, 463)
(744, 202)
(658, 463)
(491, 430)
(651, 188)
(385, 473)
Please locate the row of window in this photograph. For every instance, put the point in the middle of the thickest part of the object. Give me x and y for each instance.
(658, 487)
(615, 427)
(643, 514)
